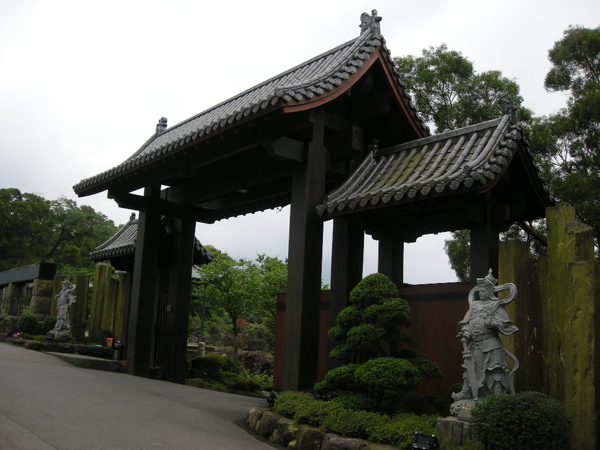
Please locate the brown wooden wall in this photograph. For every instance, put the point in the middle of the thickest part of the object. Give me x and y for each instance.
(436, 310)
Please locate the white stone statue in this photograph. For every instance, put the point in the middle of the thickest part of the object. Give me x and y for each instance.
(64, 299)
(484, 357)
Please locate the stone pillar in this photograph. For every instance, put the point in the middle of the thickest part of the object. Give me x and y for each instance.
(41, 299)
(570, 342)
(100, 294)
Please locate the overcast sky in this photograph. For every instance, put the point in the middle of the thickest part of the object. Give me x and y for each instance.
(83, 83)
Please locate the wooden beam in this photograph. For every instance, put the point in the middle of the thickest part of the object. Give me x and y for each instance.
(304, 265)
(144, 289)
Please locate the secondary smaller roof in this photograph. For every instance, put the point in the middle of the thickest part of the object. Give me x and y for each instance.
(120, 247)
(470, 159)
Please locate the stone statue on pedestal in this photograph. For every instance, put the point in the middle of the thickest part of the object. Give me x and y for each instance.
(64, 299)
(484, 357)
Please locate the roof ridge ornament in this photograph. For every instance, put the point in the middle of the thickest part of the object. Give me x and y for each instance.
(161, 126)
(370, 22)
(509, 108)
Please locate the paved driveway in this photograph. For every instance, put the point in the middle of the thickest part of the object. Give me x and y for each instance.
(46, 403)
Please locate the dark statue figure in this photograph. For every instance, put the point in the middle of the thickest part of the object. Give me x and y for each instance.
(370, 22)
(484, 357)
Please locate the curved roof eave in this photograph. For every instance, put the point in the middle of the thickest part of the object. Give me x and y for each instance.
(471, 159)
(323, 77)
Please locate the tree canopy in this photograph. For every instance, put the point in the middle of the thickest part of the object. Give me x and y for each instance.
(244, 290)
(449, 93)
(566, 144)
(34, 229)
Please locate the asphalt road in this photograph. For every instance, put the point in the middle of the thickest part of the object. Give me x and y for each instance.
(46, 403)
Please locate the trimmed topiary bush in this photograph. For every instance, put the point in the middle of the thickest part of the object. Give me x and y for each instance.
(209, 366)
(27, 323)
(48, 324)
(381, 374)
(232, 365)
(238, 382)
(521, 421)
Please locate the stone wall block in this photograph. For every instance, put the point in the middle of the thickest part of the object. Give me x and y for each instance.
(580, 406)
(335, 442)
(41, 299)
(287, 430)
(267, 424)
(309, 438)
(254, 416)
(98, 295)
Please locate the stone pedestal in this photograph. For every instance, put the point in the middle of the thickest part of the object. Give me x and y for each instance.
(454, 432)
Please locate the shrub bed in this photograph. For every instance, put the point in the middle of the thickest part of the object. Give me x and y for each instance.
(333, 417)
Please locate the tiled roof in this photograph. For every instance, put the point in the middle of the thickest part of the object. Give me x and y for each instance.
(466, 159)
(122, 244)
(306, 82)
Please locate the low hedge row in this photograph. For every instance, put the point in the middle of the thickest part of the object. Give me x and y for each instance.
(332, 417)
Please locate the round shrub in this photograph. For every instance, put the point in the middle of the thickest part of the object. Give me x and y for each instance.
(373, 289)
(348, 317)
(49, 324)
(388, 373)
(232, 365)
(238, 382)
(519, 421)
(341, 378)
(287, 402)
(28, 324)
(209, 366)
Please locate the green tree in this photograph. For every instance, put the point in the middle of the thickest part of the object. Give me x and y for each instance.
(26, 223)
(369, 332)
(449, 93)
(566, 143)
(242, 289)
(33, 229)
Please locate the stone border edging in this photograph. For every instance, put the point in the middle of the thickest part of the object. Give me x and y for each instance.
(289, 434)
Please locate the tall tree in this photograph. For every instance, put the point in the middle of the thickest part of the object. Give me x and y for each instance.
(567, 143)
(449, 93)
(243, 289)
(33, 229)
(26, 223)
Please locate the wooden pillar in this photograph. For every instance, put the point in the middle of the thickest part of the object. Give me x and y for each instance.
(143, 288)
(178, 307)
(391, 258)
(484, 245)
(304, 264)
(346, 265)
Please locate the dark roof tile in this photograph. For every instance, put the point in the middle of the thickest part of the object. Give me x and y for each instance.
(467, 158)
(315, 77)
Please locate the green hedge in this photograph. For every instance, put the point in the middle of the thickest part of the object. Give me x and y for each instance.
(335, 418)
(521, 421)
